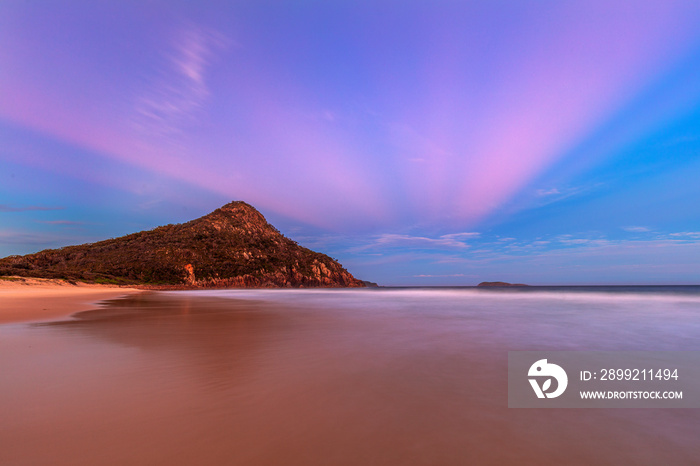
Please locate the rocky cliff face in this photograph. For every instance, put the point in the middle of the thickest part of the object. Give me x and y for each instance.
(233, 246)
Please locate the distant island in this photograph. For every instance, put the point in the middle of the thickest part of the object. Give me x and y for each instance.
(233, 246)
(500, 284)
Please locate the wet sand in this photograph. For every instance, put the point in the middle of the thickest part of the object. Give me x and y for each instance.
(34, 300)
(185, 379)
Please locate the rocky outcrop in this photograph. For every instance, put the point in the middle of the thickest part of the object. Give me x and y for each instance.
(190, 278)
(233, 246)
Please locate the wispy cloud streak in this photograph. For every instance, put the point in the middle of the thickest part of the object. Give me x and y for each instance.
(9, 208)
(686, 235)
(61, 222)
(179, 91)
(390, 240)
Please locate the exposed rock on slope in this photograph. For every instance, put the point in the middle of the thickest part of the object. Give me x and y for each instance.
(232, 246)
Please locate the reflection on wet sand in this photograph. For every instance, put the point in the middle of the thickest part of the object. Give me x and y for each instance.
(187, 379)
(216, 339)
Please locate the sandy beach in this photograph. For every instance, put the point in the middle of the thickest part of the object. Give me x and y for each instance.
(33, 299)
(314, 377)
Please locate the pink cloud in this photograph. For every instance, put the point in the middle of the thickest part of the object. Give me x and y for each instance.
(466, 139)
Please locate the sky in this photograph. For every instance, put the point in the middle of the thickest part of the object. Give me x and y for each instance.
(419, 143)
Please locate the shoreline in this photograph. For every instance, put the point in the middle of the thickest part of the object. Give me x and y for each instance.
(35, 300)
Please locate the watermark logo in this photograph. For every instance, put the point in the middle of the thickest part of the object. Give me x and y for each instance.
(603, 379)
(547, 371)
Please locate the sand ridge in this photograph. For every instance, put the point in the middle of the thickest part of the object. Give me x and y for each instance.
(36, 299)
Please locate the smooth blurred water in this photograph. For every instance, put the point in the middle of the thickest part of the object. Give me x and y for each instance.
(374, 376)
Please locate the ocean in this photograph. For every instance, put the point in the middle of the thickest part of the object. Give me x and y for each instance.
(385, 376)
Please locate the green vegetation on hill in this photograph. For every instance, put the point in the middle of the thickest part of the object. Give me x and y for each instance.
(232, 246)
